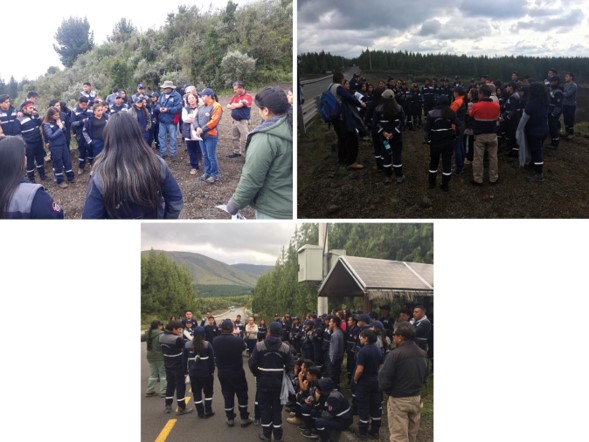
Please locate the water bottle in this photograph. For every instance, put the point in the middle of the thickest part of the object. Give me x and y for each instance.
(387, 146)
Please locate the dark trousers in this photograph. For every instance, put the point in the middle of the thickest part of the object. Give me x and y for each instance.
(97, 146)
(175, 380)
(35, 154)
(554, 127)
(62, 162)
(445, 152)
(307, 351)
(194, 153)
(324, 426)
(469, 147)
(376, 143)
(202, 383)
(84, 152)
(369, 399)
(568, 113)
(153, 134)
(347, 143)
(270, 412)
(233, 383)
(334, 369)
(393, 161)
(318, 354)
(309, 414)
(535, 145)
(350, 365)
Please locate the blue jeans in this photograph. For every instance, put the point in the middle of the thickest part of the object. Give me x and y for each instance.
(209, 153)
(166, 129)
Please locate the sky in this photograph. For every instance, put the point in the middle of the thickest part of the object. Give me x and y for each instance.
(499, 27)
(232, 243)
(30, 51)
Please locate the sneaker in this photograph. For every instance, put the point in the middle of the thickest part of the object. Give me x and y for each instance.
(400, 179)
(263, 437)
(257, 422)
(63, 185)
(185, 410)
(211, 180)
(168, 409)
(246, 422)
(230, 422)
(192, 171)
(292, 414)
(204, 177)
(207, 415)
(80, 171)
(294, 420)
(234, 155)
(310, 434)
(537, 178)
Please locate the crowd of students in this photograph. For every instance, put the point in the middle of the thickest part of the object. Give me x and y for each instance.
(467, 121)
(135, 181)
(298, 363)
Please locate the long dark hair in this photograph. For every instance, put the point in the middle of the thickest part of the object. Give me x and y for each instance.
(12, 160)
(130, 170)
(154, 326)
(538, 92)
(199, 343)
(49, 115)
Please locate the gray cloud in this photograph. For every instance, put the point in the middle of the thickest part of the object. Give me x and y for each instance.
(562, 23)
(255, 243)
(499, 9)
(430, 27)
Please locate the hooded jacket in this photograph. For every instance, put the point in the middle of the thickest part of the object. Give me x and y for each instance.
(266, 178)
(269, 361)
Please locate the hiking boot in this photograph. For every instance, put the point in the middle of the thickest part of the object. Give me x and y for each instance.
(246, 422)
(211, 180)
(192, 171)
(207, 415)
(204, 177)
(63, 185)
(537, 178)
(81, 171)
(310, 434)
(168, 409)
(186, 410)
(263, 437)
(387, 180)
(230, 422)
(294, 420)
(257, 422)
(400, 179)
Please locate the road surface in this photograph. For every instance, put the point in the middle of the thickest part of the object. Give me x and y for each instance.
(314, 88)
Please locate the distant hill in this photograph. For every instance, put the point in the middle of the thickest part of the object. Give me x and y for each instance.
(215, 278)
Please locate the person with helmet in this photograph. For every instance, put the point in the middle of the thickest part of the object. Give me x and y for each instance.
(200, 362)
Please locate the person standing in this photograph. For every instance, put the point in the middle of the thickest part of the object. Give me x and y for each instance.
(423, 326)
(88, 93)
(535, 125)
(208, 118)
(336, 350)
(569, 104)
(8, 117)
(30, 130)
(155, 359)
(251, 334)
(200, 361)
(169, 105)
(141, 114)
(172, 346)
(269, 362)
(189, 113)
(54, 131)
(228, 352)
(390, 118)
(402, 377)
(211, 329)
(485, 114)
(240, 105)
(81, 113)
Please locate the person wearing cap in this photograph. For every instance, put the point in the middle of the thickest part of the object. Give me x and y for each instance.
(140, 91)
(88, 93)
(485, 114)
(200, 361)
(307, 342)
(336, 350)
(439, 133)
(172, 346)
(169, 105)
(20, 199)
(8, 117)
(188, 330)
(389, 119)
(556, 95)
(402, 377)
(240, 105)
(296, 334)
(119, 104)
(141, 114)
(154, 113)
(30, 124)
(269, 363)
(569, 105)
(208, 118)
(266, 177)
(80, 115)
(510, 116)
(228, 353)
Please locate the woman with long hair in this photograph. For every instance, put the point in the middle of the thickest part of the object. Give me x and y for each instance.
(389, 119)
(200, 361)
(128, 179)
(54, 131)
(155, 358)
(189, 114)
(534, 123)
(208, 118)
(18, 198)
(266, 178)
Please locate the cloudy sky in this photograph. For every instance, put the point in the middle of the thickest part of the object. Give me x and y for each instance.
(499, 27)
(231, 242)
(29, 35)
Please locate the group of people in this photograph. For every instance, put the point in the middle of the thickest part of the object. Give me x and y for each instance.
(129, 179)
(298, 364)
(464, 121)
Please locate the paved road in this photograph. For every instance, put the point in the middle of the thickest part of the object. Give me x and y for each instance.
(190, 427)
(315, 88)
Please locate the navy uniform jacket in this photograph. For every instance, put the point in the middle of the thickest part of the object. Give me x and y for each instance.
(172, 349)
(269, 360)
(370, 357)
(54, 135)
(79, 118)
(29, 125)
(30, 201)
(228, 353)
(9, 122)
(199, 364)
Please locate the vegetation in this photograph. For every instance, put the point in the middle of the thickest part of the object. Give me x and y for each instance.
(443, 64)
(202, 47)
(73, 39)
(279, 291)
(217, 290)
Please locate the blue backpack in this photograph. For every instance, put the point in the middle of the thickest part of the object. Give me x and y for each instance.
(329, 107)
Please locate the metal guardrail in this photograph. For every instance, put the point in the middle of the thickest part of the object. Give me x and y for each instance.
(308, 114)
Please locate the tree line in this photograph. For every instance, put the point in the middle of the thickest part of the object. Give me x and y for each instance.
(209, 48)
(418, 64)
(279, 291)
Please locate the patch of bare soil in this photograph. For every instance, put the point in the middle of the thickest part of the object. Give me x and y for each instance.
(200, 198)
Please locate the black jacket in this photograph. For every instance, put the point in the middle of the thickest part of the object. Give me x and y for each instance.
(269, 360)
(404, 371)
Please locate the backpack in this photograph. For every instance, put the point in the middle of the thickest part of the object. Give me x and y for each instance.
(329, 106)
